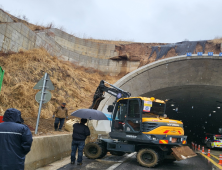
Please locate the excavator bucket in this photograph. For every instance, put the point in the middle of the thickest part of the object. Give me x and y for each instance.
(183, 152)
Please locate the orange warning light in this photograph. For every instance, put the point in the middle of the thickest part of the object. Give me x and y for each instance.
(152, 99)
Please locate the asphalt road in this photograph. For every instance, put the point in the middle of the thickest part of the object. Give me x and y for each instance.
(195, 163)
(128, 163)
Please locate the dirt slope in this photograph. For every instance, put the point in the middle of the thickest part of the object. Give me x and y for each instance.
(73, 85)
(145, 53)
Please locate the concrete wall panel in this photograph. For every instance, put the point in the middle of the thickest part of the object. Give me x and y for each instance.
(8, 32)
(48, 149)
(25, 30)
(16, 26)
(4, 17)
(1, 40)
(6, 44)
(3, 28)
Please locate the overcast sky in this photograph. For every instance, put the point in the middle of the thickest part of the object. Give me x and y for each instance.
(166, 21)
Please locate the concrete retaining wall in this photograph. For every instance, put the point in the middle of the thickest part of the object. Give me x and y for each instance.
(17, 36)
(48, 149)
(4, 17)
(82, 46)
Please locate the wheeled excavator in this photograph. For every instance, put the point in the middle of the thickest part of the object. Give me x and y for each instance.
(139, 124)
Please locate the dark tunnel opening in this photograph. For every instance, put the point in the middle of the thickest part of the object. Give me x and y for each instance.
(198, 107)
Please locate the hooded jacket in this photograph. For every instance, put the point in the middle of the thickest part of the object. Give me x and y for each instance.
(15, 141)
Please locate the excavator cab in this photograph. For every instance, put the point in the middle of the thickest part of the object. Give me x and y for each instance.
(129, 112)
(127, 116)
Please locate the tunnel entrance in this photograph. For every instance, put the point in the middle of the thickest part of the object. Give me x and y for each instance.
(194, 85)
(198, 107)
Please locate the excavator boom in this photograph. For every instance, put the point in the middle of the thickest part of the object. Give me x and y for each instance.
(102, 88)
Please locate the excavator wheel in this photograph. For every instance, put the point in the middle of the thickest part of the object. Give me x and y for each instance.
(117, 153)
(148, 157)
(94, 150)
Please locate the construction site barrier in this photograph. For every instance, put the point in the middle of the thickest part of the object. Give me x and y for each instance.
(203, 150)
(208, 153)
(220, 160)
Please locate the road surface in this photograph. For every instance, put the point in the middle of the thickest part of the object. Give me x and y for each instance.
(128, 162)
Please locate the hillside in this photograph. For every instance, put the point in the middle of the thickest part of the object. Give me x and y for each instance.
(73, 85)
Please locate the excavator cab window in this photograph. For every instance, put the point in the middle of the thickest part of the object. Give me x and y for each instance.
(133, 120)
(157, 109)
(127, 116)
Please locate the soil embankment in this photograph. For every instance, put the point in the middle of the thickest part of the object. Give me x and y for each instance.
(150, 52)
(73, 85)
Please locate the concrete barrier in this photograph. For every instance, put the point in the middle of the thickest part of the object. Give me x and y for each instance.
(48, 149)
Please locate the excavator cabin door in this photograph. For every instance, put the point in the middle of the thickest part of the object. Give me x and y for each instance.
(134, 117)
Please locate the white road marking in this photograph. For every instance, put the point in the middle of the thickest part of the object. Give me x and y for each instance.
(121, 161)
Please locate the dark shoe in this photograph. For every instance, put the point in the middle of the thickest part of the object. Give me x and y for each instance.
(60, 130)
(79, 163)
(72, 162)
(56, 130)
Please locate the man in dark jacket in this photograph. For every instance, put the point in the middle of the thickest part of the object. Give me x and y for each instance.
(15, 141)
(80, 132)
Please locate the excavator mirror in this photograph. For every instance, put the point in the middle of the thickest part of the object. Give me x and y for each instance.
(110, 108)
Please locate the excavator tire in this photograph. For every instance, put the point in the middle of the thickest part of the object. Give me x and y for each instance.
(104, 150)
(117, 153)
(94, 150)
(148, 157)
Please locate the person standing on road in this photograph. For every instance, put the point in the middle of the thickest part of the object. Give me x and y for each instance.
(80, 132)
(60, 114)
(15, 141)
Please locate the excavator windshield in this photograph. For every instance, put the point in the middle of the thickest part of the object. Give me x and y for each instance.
(157, 109)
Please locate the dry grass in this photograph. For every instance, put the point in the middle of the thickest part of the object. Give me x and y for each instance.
(73, 85)
(33, 27)
(23, 19)
(217, 40)
(118, 42)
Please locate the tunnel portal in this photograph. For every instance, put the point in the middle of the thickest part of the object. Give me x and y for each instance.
(193, 85)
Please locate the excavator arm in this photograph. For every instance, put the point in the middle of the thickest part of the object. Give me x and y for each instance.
(98, 97)
(100, 91)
